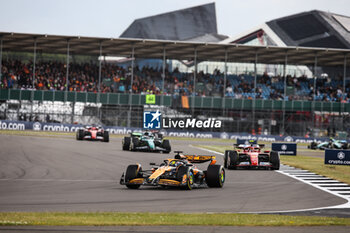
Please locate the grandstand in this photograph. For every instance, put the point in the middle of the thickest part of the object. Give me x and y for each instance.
(115, 79)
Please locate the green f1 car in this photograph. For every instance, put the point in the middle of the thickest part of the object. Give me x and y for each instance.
(146, 141)
(331, 144)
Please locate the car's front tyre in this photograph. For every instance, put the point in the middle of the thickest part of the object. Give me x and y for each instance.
(275, 160)
(166, 146)
(215, 176)
(126, 143)
(313, 146)
(231, 159)
(105, 136)
(134, 143)
(133, 172)
(80, 134)
(185, 171)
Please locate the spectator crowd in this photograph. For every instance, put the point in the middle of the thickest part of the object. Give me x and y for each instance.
(116, 79)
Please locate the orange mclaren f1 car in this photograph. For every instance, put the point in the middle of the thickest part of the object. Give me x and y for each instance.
(179, 172)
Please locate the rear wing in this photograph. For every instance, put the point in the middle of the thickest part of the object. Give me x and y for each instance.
(199, 158)
(242, 146)
(136, 134)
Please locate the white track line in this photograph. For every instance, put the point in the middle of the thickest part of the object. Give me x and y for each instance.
(299, 172)
(211, 151)
(336, 187)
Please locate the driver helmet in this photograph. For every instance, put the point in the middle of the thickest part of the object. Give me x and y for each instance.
(178, 163)
(251, 141)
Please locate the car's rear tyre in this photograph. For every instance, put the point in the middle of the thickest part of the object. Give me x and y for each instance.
(231, 159)
(132, 172)
(275, 160)
(126, 143)
(80, 134)
(183, 170)
(215, 176)
(166, 146)
(105, 136)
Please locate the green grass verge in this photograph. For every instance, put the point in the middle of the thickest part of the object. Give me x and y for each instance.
(313, 164)
(204, 219)
(34, 133)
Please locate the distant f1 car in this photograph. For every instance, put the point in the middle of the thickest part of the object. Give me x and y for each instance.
(331, 144)
(94, 133)
(146, 141)
(177, 172)
(251, 156)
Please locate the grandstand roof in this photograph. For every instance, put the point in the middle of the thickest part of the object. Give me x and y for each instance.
(314, 29)
(306, 29)
(212, 37)
(181, 50)
(175, 25)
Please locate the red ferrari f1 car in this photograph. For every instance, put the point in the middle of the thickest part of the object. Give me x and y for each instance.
(94, 133)
(251, 156)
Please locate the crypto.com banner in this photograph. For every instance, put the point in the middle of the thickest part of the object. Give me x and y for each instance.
(41, 126)
(337, 157)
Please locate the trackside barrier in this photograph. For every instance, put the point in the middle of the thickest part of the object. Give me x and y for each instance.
(199, 102)
(285, 148)
(337, 157)
(41, 126)
(85, 97)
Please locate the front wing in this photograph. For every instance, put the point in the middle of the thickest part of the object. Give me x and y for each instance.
(146, 148)
(248, 164)
(89, 137)
(156, 182)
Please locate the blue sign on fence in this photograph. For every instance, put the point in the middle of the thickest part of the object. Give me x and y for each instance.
(246, 141)
(337, 157)
(285, 148)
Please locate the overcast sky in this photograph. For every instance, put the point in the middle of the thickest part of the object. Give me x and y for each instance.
(109, 18)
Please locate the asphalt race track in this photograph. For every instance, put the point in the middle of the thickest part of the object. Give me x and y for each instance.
(62, 174)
